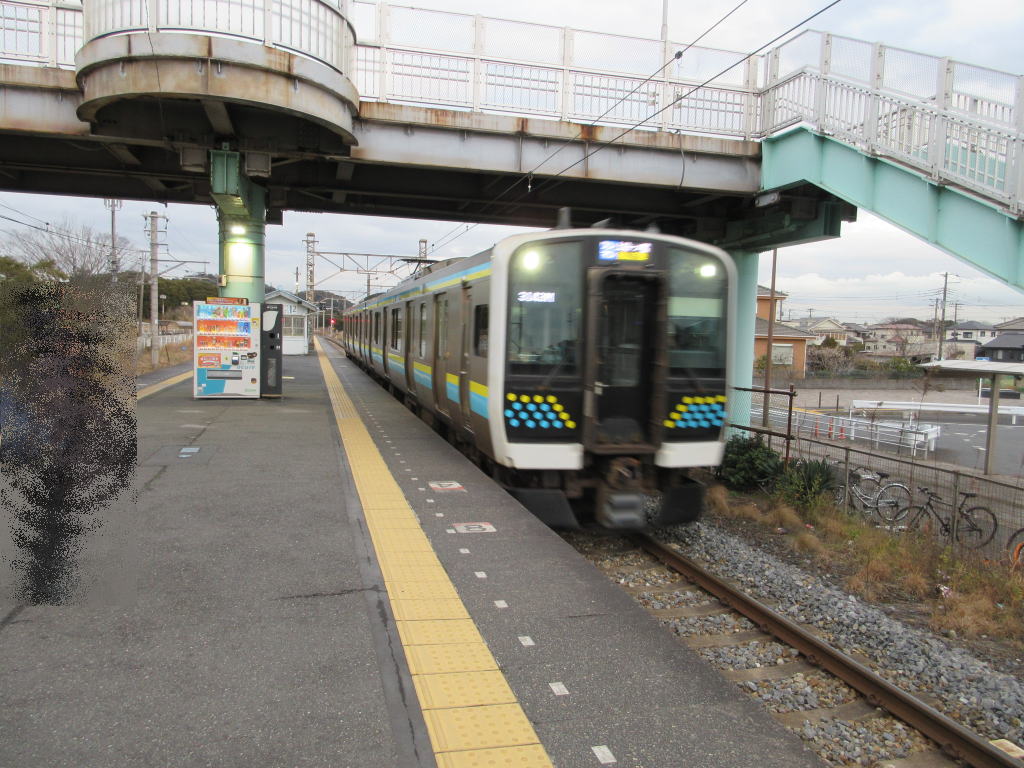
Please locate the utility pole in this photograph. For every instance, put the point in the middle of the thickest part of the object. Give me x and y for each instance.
(310, 262)
(296, 281)
(154, 271)
(942, 323)
(115, 266)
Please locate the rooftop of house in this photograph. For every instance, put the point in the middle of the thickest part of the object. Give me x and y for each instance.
(811, 322)
(767, 292)
(780, 329)
(972, 325)
(1016, 324)
(1009, 340)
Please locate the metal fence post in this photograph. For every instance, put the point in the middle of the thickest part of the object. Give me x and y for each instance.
(789, 421)
(954, 518)
(478, 68)
(565, 96)
(847, 502)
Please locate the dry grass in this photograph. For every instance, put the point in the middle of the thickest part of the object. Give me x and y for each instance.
(810, 544)
(782, 515)
(982, 598)
(718, 499)
(170, 355)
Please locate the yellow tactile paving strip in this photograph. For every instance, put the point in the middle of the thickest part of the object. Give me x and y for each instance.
(472, 716)
(152, 389)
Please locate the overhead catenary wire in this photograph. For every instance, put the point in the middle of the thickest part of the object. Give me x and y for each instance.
(550, 180)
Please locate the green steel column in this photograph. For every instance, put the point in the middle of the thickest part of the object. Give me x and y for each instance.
(241, 256)
(242, 220)
(742, 353)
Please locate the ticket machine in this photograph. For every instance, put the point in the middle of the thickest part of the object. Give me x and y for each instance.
(227, 348)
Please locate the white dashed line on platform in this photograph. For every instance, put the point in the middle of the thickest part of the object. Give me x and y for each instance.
(559, 689)
(604, 755)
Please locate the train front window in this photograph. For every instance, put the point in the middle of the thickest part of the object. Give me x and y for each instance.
(698, 292)
(545, 309)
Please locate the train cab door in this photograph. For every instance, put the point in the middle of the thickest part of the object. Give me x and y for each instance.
(407, 343)
(466, 315)
(624, 347)
(440, 356)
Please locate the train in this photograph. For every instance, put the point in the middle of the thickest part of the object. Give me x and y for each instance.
(585, 369)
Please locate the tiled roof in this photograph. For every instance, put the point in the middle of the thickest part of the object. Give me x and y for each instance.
(781, 329)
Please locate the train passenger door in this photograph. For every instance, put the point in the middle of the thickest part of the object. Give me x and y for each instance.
(624, 320)
(466, 316)
(440, 373)
(408, 347)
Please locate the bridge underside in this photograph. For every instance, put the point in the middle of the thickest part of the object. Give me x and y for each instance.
(954, 221)
(61, 137)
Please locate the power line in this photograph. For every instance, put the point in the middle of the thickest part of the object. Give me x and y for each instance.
(604, 145)
(527, 176)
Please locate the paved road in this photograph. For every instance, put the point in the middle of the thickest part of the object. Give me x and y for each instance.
(963, 442)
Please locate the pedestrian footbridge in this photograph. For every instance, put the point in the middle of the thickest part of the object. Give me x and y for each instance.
(258, 106)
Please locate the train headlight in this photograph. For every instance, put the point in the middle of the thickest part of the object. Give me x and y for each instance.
(531, 261)
(708, 270)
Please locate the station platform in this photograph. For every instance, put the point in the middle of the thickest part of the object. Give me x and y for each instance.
(322, 580)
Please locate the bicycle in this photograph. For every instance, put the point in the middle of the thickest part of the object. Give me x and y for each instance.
(889, 501)
(1015, 546)
(975, 526)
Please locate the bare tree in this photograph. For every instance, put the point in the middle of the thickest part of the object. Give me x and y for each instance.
(77, 250)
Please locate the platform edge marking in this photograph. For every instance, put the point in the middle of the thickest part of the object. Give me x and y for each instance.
(454, 730)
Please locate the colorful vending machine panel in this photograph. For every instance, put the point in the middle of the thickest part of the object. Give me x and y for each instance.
(227, 348)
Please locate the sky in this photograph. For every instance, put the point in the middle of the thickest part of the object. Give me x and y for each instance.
(872, 272)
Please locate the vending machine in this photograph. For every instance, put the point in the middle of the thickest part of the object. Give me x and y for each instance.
(227, 348)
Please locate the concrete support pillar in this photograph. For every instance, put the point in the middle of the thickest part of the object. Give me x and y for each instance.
(241, 240)
(742, 353)
(242, 220)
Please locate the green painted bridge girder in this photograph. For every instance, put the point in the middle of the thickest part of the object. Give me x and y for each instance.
(957, 223)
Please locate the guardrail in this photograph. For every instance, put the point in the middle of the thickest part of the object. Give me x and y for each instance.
(1013, 411)
(955, 122)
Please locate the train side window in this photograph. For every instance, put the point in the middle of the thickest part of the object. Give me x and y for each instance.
(480, 326)
(423, 329)
(396, 329)
(376, 328)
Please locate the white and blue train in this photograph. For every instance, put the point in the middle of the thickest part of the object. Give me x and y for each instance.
(585, 369)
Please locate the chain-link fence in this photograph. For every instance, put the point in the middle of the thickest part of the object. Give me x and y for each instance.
(923, 496)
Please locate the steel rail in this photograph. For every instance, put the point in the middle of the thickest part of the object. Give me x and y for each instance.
(954, 738)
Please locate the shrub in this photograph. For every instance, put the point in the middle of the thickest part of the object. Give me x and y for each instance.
(749, 464)
(805, 482)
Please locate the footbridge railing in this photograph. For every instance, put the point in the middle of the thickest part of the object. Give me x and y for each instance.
(956, 123)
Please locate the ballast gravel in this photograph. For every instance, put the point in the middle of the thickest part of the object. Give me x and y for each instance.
(723, 624)
(801, 692)
(970, 691)
(660, 601)
(753, 655)
(863, 742)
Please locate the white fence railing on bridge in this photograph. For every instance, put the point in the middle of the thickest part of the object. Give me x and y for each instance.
(955, 122)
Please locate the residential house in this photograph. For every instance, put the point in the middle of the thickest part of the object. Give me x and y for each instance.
(1017, 324)
(971, 330)
(888, 340)
(1004, 348)
(855, 333)
(789, 344)
(821, 328)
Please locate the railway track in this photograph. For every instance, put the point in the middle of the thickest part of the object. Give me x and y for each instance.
(670, 598)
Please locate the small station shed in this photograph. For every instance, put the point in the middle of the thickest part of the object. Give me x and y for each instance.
(296, 328)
